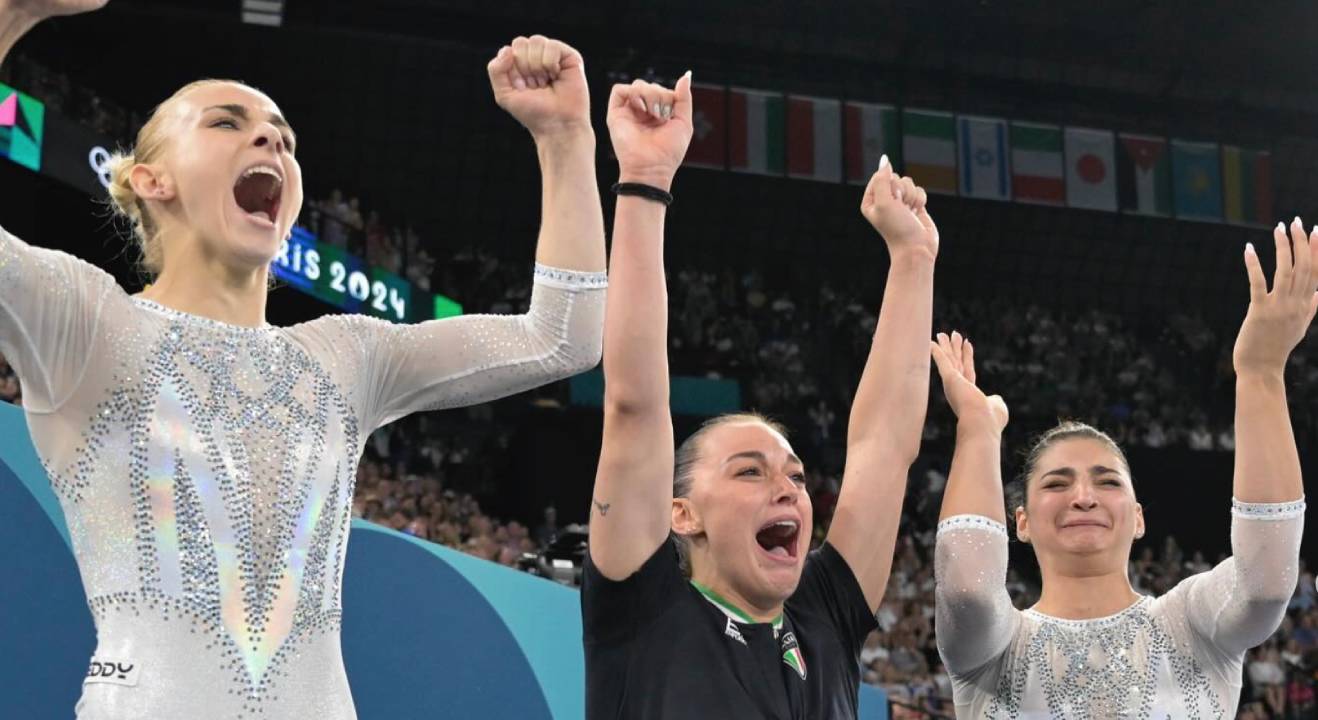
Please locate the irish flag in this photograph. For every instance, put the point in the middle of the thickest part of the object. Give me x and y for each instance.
(870, 132)
(1144, 170)
(755, 131)
(1247, 185)
(1037, 172)
(1091, 177)
(814, 138)
(929, 149)
(709, 120)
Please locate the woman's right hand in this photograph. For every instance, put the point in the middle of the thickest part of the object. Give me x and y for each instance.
(955, 358)
(650, 128)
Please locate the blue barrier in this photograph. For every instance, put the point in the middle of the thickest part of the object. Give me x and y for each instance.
(427, 632)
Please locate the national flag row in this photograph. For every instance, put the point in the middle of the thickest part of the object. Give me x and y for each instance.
(825, 139)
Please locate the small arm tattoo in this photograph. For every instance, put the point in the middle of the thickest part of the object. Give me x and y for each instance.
(603, 507)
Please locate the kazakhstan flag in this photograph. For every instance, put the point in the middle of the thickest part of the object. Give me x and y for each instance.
(1197, 180)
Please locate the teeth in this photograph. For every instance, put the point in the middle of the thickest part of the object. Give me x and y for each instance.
(785, 523)
(262, 169)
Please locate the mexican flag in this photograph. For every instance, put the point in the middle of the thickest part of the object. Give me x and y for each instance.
(1247, 185)
(983, 162)
(870, 132)
(1037, 172)
(929, 149)
(755, 131)
(709, 120)
(1091, 178)
(1144, 175)
(814, 138)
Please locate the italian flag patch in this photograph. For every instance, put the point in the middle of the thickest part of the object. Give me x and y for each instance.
(793, 658)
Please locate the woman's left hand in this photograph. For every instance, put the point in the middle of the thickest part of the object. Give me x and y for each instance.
(542, 83)
(1278, 320)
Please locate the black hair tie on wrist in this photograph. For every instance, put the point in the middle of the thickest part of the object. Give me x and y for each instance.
(641, 190)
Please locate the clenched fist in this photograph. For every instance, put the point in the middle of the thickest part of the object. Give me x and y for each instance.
(894, 205)
(650, 127)
(542, 83)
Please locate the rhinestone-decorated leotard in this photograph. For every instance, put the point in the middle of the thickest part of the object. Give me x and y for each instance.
(206, 470)
(1178, 656)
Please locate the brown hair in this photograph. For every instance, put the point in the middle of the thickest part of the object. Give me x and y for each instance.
(688, 454)
(1018, 491)
(147, 148)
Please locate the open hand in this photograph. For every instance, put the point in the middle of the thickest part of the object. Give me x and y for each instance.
(542, 83)
(650, 127)
(1278, 320)
(895, 206)
(955, 358)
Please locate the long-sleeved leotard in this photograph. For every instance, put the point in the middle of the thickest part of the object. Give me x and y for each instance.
(1175, 656)
(206, 470)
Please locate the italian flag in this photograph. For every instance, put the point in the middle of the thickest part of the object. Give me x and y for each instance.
(1144, 175)
(870, 132)
(929, 149)
(755, 131)
(709, 121)
(814, 138)
(1038, 174)
(1247, 185)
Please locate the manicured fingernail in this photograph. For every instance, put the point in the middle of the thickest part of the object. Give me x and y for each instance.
(1281, 226)
(668, 111)
(1297, 222)
(656, 110)
(883, 161)
(1249, 247)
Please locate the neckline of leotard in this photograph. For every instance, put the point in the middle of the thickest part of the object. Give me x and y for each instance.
(198, 319)
(1089, 621)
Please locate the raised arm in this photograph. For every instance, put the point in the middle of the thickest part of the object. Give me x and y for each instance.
(973, 611)
(542, 83)
(887, 416)
(631, 508)
(1240, 602)
(19, 16)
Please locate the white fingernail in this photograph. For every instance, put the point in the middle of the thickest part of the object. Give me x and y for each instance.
(668, 111)
(656, 110)
(688, 74)
(1297, 221)
(883, 161)
(1249, 247)
(1281, 226)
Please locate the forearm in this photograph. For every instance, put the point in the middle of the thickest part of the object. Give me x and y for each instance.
(572, 223)
(1267, 463)
(636, 314)
(893, 395)
(974, 484)
(13, 25)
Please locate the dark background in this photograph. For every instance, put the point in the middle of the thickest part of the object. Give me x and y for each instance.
(391, 102)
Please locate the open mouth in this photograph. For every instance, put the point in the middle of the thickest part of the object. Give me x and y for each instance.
(258, 193)
(779, 538)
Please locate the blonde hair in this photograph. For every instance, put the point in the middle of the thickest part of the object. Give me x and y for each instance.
(147, 148)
